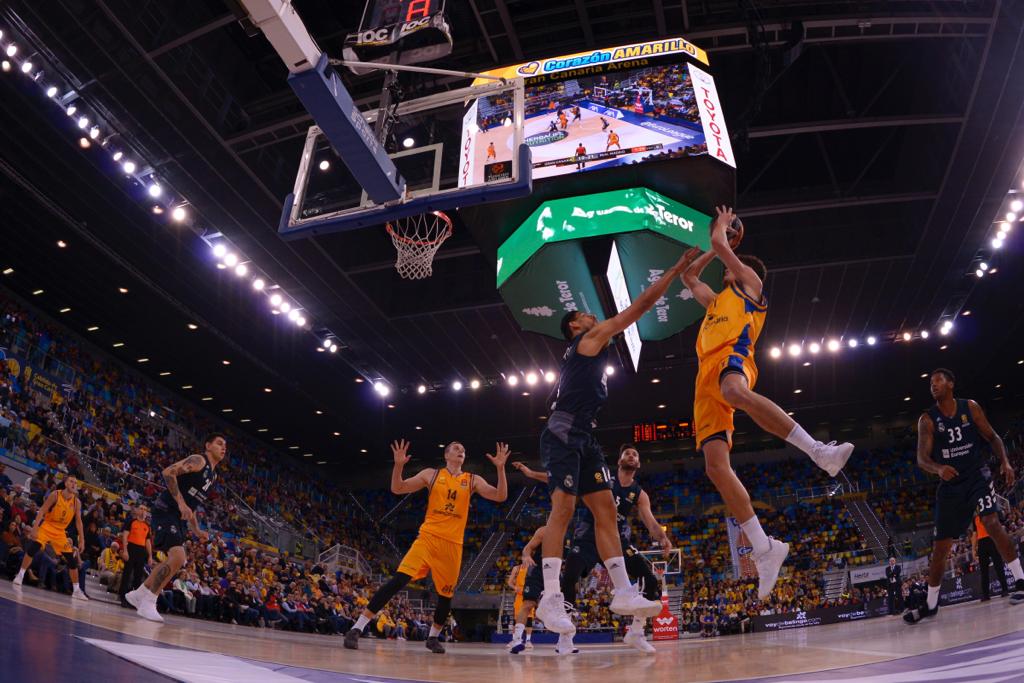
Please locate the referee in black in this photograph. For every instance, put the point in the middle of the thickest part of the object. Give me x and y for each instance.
(985, 551)
(136, 551)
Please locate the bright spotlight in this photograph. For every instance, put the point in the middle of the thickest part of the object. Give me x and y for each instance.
(872, 340)
(155, 191)
(285, 307)
(997, 243)
(531, 378)
(300, 321)
(5, 65)
(94, 132)
(609, 370)
(381, 388)
(83, 122)
(118, 155)
(833, 345)
(327, 343)
(129, 167)
(230, 259)
(795, 350)
(549, 377)
(70, 110)
(1016, 205)
(512, 380)
(507, 122)
(457, 385)
(275, 300)
(814, 347)
(334, 348)
(219, 250)
(241, 269)
(925, 334)
(979, 272)
(12, 50)
(51, 92)
(852, 343)
(293, 314)
(983, 266)
(84, 143)
(776, 352)
(324, 165)
(907, 336)
(258, 284)
(1011, 216)
(179, 213)
(26, 67)
(421, 389)
(408, 142)
(474, 384)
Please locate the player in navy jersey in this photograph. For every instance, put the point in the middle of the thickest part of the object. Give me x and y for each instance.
(574, 461)
(949, 445)
(188, 485)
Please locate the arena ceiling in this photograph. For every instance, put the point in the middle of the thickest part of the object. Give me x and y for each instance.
(876, 142)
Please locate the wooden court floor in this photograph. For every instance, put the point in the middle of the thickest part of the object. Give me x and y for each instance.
(743, 657)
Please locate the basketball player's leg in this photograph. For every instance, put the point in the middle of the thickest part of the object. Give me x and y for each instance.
(1007, 551)
(560, 457)
(532, 590)
(73, 570)
(640, 571)
(954, 511)
(413, 566)
(737, 390)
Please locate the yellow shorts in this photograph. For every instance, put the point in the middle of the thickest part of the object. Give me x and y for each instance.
(58, 538)
(435, 556)
(712, 416)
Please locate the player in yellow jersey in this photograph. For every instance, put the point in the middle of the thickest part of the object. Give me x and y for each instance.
(51, 529)
(725, 381)
(438, 547)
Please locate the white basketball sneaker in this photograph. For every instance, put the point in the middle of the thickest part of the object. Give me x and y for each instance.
(144, 603)
(630, 602)
(79, 594)
(565, 645)
(635, 638)
(830, 456)
(768, 565)
(551, 610)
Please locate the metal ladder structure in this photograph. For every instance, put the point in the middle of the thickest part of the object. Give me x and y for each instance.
(473, 577)
(870, 527)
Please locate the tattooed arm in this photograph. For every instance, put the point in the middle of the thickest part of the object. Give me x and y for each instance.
(192, 463)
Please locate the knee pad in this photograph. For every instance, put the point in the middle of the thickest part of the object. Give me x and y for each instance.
(444, 606)
(33, 547)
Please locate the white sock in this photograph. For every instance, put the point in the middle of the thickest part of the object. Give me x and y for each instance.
(933, 596)
(552, 568)
(21, 574)
(755, 534)
(1015, 569)
(616, 567)
(361, 622)
(528, 636)
(519, 632)
(434, 631)
(801, 439)
(638, 623)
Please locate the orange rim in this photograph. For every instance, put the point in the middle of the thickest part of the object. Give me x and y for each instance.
(445, 234)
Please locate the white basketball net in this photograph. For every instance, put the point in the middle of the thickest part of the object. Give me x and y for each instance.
(417, 239)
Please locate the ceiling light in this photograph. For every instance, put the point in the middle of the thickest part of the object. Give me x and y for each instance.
(852, 343)
(179, 214)
(337, 433)
(833, 345)
(1016, 205)
(798, 391)
(128, 167)
(872, 340)
(925, 334)
(943, 347)
(408, 142)
(92, 329)
(293, 314)
(381, 388)
(979, 272)
(457, 385)
(118, 345)
(94, 132)
(38, 292)
(324, 165)
(157, 209)
(776, 352)
(661, 405)
(186, 386)
(219, 250)
(155, 191)
(285, 307)
(165, 374)
(278, 438)
(62, 244)
(230, 260)
(117, 155)
(474, 384)
(421, 389)
(226, 362)
(8, 271)
(241, 270)
(609, 370)
(814, 347)
(549, 377)
(334, 349)
(1011, 216)
(83, 122)
(275, 300)
(906, 398)
(983, 265)
(143, 360)
(655, 381)
(907, 336)
(794, 350)
(65, 310)
(26, 67)
(51, 92)
(12, 50)
(5, 65)
(258, 284)
(84, 143)
(531, 378)
(123, 290)
(807, 364)
(526, 393)
(513, 379)
(192, 326)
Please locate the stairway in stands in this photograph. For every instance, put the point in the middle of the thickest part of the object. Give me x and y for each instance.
(870, 527)
(835, 583)
(474, 575)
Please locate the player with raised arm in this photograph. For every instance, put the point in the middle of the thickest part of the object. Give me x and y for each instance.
(949, 436)
(50, 529)
(726, 377)
(437, 549)
(188, 484)
(574, 461)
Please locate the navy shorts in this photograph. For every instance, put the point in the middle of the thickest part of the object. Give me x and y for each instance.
(572, 457)
(169, 529)
(534, 585)
(957, 502)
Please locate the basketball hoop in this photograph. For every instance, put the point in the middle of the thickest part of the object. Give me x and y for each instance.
(417, 239)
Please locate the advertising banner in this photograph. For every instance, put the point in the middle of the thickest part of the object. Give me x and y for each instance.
(818, 617)
(665, 625)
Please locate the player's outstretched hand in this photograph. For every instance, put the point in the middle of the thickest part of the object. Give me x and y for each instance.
(400, 449)
(947, 473)
(1006, 469)
(528, 562)
(501, 455)
(687, 259)
(724, 217)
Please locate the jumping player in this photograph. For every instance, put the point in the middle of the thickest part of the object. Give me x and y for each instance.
(949, 438)
(437, 549)
(491, 152)
(726, 377)
(573, 459)
(583, 555)
(50, 528)
(188, 484)
(613, 140)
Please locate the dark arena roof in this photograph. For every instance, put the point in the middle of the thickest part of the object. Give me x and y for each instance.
(879, 146)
